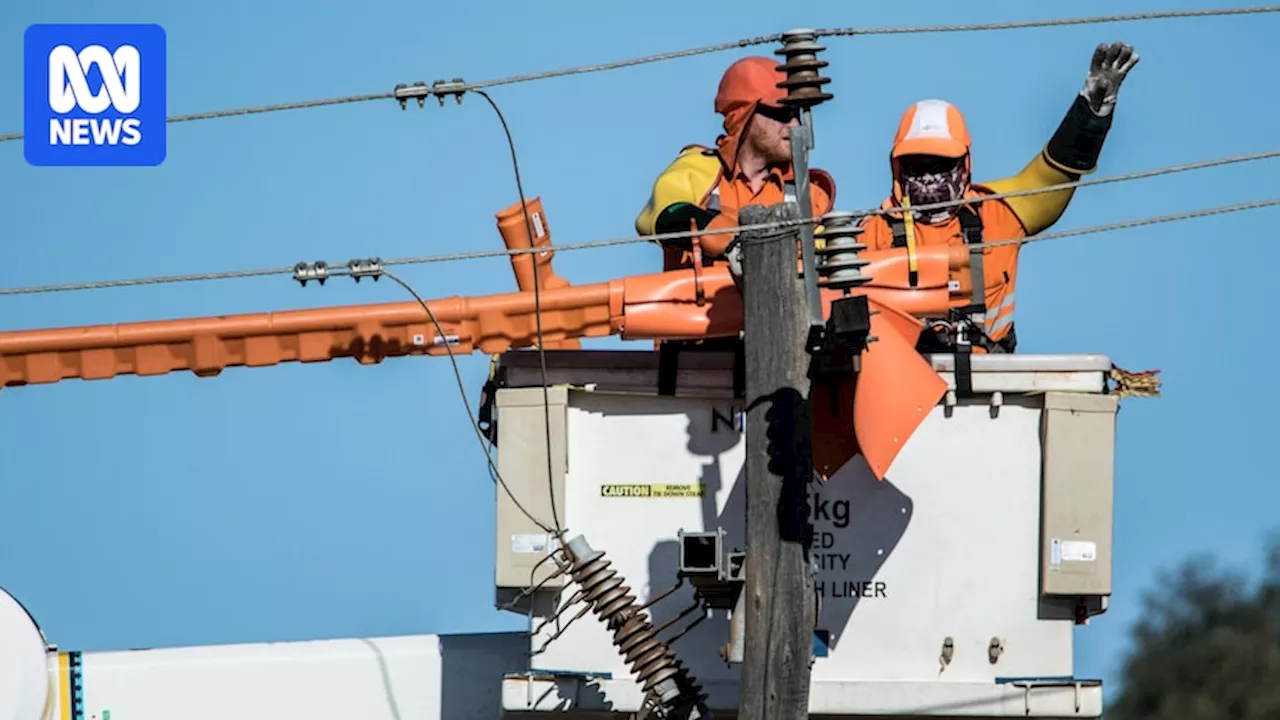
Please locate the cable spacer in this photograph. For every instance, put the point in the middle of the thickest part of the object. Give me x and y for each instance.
(359, 268)
(803, 83)
(318, 271)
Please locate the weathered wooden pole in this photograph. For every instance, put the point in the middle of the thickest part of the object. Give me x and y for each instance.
(779, 594)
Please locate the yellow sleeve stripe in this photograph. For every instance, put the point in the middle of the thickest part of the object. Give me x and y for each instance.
(1036, 212)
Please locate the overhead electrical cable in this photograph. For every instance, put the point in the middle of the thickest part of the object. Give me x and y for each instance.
(336, 268)
(456, 88)
(537, 312)
(471, 416)
(1141, 222)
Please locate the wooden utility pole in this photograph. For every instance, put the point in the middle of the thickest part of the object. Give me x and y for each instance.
(780, 603)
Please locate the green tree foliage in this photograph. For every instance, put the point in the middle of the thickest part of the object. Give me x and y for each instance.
(1207, 647)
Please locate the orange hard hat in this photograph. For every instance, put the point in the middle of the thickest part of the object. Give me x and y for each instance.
(749, 81)
(745, 85)
(931, 127)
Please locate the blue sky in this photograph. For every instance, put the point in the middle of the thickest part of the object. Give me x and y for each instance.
(337, 500)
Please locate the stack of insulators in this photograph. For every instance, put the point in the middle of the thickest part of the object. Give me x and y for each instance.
(804, 82)
(652, 661)
(839, 266)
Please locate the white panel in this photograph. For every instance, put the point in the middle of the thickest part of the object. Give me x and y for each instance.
(373, 679)
(416, 677)
(947, 546)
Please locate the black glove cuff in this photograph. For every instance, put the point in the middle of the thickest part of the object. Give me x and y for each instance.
(1076, 145)
(676, 219)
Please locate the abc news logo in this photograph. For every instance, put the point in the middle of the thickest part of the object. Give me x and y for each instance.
(95, 95)
(69, 89)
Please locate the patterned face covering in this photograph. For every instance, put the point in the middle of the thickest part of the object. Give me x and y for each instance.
(932, 180)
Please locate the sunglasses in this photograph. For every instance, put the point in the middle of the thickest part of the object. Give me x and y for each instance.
(783, 115)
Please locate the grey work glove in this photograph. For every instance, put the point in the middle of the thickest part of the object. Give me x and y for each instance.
(1111, 63)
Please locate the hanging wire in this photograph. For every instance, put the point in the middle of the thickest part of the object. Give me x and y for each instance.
(537, 310)
(336, 269)
(471, 416)
(718, 47)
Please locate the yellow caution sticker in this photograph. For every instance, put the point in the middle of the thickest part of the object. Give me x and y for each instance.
(680, 490)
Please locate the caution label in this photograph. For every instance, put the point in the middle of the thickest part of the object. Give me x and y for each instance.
(682, 490)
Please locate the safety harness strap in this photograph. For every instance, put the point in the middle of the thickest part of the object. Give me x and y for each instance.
(959, 344)
(964, 370)
(971, 228)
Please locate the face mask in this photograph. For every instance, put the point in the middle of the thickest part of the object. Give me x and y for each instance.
(934, 186)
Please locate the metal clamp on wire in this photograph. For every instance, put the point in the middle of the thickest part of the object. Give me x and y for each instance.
(418, 90)
(318, 271)
(371, 267)
(455, 87)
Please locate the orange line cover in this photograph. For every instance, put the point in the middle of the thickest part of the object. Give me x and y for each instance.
(665, 306)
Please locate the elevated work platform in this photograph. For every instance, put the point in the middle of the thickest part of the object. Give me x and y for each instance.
(951, 589)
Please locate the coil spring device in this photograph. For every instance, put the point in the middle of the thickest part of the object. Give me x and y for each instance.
(652, 661)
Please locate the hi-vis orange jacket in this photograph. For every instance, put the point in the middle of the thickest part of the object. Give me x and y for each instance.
(934, 127)
(709, 179)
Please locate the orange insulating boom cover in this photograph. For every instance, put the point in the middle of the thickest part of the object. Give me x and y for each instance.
(895, 389)
(523, 227)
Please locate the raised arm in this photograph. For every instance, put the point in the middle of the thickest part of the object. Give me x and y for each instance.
(1074, 148)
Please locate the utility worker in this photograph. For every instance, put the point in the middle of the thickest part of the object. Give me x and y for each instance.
(750, 165)
(931, 163)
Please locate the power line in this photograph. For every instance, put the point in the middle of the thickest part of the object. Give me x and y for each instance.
(471, 417)
(537, 311)
(456, 88)
(1092, 229)
(336, 268)
(1019, 25)
(1126, 224)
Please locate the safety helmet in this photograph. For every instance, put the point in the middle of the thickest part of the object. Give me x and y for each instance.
(749, 81)
(745, 85)
(929, 127)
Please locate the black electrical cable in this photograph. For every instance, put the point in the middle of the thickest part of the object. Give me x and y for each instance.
(462, 390)
(718, 47)
(537, 308)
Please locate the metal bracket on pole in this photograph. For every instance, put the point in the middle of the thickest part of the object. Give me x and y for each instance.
(804, 90)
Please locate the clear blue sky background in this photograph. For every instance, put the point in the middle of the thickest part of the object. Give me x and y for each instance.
(339, 500)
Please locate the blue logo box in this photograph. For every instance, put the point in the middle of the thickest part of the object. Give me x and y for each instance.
(94, 95)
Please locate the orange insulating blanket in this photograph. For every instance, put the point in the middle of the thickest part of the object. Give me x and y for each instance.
(876, 412)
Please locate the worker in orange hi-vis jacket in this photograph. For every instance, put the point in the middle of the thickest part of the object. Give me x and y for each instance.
(750, 165)
(931, 164)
